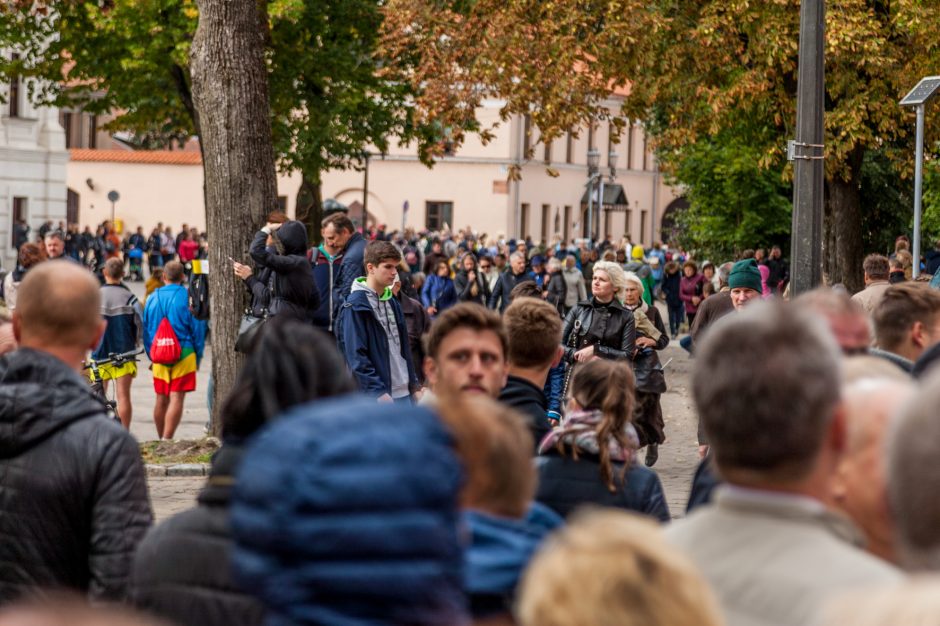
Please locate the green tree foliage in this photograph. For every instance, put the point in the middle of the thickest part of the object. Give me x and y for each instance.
(125, 56)
(131, 57)
(734, 203)
(698, 67)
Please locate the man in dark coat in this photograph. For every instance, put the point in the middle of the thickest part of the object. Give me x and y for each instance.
(500, 298)
(534, 330)
(293, 291)
(339, 233)
(72, 484)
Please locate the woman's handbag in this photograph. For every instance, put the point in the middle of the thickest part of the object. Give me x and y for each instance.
(248, 329)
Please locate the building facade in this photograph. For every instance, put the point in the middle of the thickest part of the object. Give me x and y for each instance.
(33, 162)
(471, 187)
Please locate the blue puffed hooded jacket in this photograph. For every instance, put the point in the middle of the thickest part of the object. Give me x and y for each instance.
(500, 549)
(345, 513)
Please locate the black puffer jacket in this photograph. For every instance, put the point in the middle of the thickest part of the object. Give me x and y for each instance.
(181, 572)
(566, 483)
(295, 293)
(616, 327)
(73, 495)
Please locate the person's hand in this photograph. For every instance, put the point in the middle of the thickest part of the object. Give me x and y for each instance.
(702, 450)
(584, 354)
(242, 271)
(418, 394)
(273, 226)
(384, 398)
(645, 342)
(432, 310)
(696, 300)
(471, 276)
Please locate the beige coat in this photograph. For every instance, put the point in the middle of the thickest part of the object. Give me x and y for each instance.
(775, 559)
(871, 296)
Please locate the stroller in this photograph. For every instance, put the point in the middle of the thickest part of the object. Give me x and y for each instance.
(135, 257)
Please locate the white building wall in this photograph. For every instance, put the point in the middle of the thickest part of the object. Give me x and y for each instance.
(33, 163)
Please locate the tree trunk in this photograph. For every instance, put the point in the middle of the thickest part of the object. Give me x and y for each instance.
(310, 206)
(843, 253)
(230, 93)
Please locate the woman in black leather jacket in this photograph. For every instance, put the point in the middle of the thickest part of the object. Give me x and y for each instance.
(650, 381)
(601, 327)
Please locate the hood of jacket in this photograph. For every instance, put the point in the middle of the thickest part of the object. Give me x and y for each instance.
(360, 285)
(293, 235)
(500, 547)
(39, 395)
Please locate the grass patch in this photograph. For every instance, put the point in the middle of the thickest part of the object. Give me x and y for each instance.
(182, 451)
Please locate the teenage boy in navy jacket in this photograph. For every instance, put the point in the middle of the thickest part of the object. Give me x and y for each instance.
(371, 329)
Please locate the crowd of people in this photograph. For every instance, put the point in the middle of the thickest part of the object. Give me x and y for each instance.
(444, 429)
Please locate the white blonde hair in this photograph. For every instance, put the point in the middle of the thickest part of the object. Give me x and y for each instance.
(616, 274)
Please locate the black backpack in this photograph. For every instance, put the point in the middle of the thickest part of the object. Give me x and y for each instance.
(199, 296)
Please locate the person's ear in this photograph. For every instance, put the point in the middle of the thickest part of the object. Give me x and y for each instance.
(430, 371)
(917, 335)
(99, 333)
(17, 326)
(559, 354)
(838, 429)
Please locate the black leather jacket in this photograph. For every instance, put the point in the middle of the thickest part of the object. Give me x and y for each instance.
(73, 494)
(619, 336)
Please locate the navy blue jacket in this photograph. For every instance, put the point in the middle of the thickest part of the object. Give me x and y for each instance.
(350, 268)
(345, 513)
(671, 284)
(363, 342)
(439, 292)
(565, 484)
(325, 276)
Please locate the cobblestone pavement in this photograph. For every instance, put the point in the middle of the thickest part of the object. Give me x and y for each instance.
(678, 456)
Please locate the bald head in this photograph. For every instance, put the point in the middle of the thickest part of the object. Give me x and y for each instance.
(859, 487)
(58, 305)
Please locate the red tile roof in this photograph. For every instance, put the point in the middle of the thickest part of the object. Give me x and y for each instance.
(159, 157)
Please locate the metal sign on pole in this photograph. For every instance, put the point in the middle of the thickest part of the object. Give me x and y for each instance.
(113, 196)
(918, 98)
(807, 152)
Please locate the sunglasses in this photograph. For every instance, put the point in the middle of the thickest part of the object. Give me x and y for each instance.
(485, 267)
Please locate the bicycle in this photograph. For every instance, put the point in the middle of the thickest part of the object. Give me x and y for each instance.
(97, 383)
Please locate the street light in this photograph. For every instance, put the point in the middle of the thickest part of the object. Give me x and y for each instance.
(593, 163)
(918, 98)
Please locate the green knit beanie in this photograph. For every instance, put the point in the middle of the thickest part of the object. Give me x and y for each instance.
(745, 274)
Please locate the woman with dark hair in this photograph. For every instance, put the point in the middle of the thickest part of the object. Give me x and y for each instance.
(469, 283)
(181, 569)
(690, 289)
(438, 293)
(590, 457)
(29, 255)
(292, 288)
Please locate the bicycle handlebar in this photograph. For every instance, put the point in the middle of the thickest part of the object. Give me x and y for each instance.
(118, 359)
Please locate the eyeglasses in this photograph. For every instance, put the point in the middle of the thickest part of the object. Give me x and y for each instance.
(485, 267)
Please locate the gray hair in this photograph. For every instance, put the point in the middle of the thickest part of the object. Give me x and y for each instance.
(553, 264)
(517, 255)
(914, 476)
(631, 277)
(766, 384)
(724, 272)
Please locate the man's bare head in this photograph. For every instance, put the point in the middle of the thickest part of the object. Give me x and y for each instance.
(58, 305)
